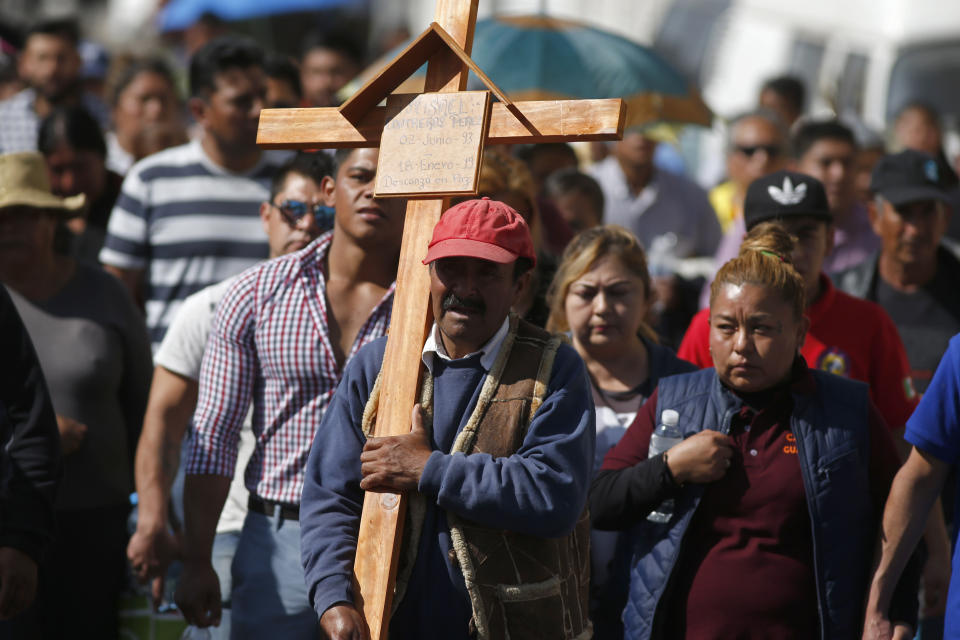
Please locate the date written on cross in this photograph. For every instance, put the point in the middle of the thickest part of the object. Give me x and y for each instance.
(432, 143)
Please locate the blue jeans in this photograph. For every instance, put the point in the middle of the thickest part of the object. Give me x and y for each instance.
(269, 593)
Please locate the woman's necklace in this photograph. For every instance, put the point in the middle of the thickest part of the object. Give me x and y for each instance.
(607, 398)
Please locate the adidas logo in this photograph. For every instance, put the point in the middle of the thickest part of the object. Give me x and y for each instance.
(788, 194)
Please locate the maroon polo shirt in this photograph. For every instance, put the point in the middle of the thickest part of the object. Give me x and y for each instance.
(745, 569)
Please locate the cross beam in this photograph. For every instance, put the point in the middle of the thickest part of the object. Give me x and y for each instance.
(553, 120)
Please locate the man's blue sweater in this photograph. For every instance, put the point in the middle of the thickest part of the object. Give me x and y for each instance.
(541, 490)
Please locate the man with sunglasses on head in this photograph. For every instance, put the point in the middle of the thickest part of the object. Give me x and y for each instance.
(756, 146)
(293, 217)
(282, 335)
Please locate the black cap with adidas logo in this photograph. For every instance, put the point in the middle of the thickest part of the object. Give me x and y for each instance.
(785, 194)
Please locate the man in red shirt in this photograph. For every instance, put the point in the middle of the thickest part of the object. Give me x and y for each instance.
(848, 336)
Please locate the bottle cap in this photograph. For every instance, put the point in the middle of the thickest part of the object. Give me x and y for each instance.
(669, 417)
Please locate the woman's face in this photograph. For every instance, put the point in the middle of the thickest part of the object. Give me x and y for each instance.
(754, 336)
(606, 305)
(149, 98)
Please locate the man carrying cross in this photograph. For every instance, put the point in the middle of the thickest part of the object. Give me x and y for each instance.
(496, 466)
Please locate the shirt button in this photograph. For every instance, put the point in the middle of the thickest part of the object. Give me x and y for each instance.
(753, 452)
(746, 428)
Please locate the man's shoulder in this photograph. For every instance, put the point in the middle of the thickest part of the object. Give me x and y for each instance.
(182, 161)
(19, 101)
(265, 278)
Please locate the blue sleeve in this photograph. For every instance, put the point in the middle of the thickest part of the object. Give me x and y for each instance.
(332, 499)
(541, 490)
(933, 426)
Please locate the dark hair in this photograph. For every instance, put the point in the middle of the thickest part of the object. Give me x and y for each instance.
(217, 56)
(73, 126)
(339, 157)
(521, 266)
(280, 67)
(528, 152)
(65, 28)
(811, 132)
(790, 88)
(567, 181)
(332, 41)
(134, 68)
(315, 165)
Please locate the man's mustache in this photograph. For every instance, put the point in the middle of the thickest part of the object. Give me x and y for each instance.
(472, 304)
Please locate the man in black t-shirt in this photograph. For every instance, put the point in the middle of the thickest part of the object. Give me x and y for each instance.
(914, 276)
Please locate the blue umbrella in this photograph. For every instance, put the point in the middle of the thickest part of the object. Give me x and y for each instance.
(180, 14)
(542, 58)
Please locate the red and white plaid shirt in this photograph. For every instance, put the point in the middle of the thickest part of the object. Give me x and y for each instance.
(271, 344)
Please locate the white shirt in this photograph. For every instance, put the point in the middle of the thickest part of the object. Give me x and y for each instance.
(490, 349)
(181, 352)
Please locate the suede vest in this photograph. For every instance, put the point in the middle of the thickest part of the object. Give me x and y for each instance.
(521, 587)
(832, 432)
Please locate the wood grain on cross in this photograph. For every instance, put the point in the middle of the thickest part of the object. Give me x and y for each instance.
(359, 123)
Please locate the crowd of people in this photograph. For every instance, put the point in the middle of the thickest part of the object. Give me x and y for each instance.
(201, 323)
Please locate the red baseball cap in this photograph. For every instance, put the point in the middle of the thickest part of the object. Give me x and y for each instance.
(485, 229)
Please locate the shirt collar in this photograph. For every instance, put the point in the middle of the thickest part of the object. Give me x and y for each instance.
(433, 347)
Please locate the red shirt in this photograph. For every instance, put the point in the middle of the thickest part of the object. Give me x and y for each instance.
(745, 569)
(848, 336)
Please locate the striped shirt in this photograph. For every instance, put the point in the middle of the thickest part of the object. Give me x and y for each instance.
(188, 223)
(271, 345)
(20, 124)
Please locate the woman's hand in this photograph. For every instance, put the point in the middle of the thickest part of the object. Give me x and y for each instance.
(703, 457)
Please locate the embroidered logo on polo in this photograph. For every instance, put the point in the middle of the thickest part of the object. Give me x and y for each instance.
(791, 447)
(835, 361)
(788, 194)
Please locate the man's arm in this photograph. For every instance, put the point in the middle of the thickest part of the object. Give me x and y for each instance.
(540, 490)
(172, 400)
(198, 591)
(227, 377)
(914, 491)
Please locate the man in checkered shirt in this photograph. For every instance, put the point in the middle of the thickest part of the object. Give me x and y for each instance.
(281, 338)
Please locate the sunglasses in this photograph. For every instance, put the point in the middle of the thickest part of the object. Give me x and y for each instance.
(293, 211)
(772, 150)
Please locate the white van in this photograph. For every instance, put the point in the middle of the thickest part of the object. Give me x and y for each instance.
(863, 57)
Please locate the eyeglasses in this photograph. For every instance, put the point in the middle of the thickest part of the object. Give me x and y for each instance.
(772, 150)
(293, 211)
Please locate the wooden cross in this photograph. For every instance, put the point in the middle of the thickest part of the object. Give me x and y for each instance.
(359, 122)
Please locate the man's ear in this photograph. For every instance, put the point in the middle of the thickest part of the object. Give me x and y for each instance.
(328, 189)
(874, 215)
(265, 216)
(198, 109)
(520, 285)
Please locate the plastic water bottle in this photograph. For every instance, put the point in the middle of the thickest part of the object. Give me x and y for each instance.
(665, 436)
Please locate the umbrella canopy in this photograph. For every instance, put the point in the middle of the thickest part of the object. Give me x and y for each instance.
(180, 14)
(542, 58)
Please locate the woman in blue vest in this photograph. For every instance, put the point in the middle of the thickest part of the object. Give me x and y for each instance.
(601, 294)
(777, 487)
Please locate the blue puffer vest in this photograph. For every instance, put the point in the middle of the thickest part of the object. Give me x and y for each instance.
(832, 434)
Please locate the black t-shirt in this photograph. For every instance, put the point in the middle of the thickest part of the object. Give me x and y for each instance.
(926, 318)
